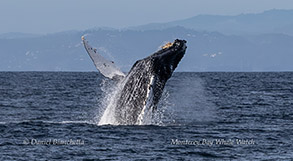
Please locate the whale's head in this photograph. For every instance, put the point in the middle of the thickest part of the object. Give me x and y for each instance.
(163, 62)
(167, 59)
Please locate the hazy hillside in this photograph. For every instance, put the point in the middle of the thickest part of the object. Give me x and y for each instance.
(16, 35)
(272, 21)
(207, 51)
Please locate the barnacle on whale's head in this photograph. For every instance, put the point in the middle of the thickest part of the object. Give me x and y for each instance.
(167, 45)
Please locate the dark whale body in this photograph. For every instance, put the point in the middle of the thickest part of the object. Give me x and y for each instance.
(144, 84)
(142, 88)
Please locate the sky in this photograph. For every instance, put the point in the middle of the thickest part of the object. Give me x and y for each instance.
(49, 16)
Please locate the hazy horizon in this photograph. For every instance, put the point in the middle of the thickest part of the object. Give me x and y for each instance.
(45, 35)
(42, 17)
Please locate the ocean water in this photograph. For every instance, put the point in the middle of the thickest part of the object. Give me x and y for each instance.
(201, 116)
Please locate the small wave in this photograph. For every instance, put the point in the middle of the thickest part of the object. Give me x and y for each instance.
(77, 122)
(15, 122)
(48, 122)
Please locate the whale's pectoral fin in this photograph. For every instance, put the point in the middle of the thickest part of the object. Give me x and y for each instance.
(106, 67)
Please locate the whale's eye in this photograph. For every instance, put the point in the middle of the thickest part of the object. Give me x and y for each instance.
(167, 45)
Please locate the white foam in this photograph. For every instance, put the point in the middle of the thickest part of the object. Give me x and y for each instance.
(109, 103)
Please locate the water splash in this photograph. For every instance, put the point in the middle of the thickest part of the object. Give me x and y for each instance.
(194, 103)
(109, 101)
(147, 116)
(162, 115)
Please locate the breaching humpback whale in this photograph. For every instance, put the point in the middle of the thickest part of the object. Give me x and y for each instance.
(142, 88)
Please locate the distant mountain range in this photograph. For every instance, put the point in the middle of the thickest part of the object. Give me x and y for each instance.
(272, 21)
(17, 35)
(212, 46)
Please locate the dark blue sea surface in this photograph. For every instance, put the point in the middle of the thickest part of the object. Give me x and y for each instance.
(204, 116)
